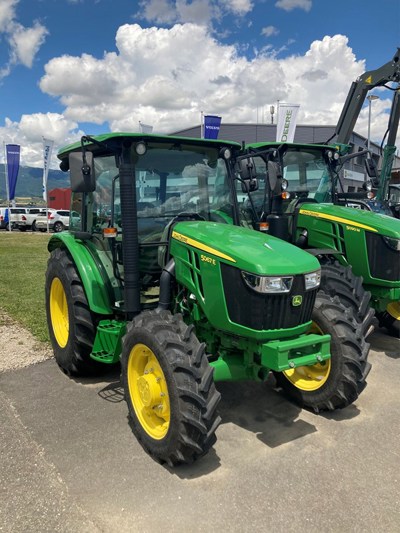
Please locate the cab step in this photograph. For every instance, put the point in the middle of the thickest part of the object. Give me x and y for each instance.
(107, 344)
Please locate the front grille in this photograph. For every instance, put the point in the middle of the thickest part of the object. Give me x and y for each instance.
(265, 311)
(384, 262)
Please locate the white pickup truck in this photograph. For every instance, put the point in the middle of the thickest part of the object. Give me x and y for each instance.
(24, 218)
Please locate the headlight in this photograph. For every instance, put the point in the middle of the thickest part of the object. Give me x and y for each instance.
(284, 185)
(312, 280)
(268, 284)
(394, 244)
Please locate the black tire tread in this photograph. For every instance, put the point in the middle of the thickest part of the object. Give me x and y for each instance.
(198, 398)
(74, 359)
(339, 280)
(348, 380)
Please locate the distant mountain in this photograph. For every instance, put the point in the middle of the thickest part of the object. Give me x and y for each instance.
(29, 181)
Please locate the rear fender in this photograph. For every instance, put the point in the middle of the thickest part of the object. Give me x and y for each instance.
(89, 271)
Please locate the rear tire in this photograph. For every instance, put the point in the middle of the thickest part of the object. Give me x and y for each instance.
(336, 383)
(338, 280)
(72, 326)
(169, 388)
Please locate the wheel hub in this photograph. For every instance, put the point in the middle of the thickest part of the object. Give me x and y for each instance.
(309, 378)
(312, 377)
(149, 390)
(394, 310)
(59, 312)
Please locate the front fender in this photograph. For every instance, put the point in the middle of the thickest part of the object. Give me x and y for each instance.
(90, 271)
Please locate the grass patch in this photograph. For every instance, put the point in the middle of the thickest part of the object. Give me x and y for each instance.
(23, 262)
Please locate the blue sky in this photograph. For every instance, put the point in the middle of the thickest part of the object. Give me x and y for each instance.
(69, 67)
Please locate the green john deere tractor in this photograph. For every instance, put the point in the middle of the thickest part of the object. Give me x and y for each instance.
(151, 275)
(359, 250)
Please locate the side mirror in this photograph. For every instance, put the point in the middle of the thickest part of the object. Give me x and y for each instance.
(248, 174)
(372, 171)
(370, 167)
(82, 172)
(274, 176)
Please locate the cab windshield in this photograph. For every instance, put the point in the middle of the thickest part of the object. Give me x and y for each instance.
(306, 172)
(171, 179)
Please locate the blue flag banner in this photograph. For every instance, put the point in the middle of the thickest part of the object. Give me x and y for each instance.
(47, 149)
(211, 126)
(12, 154)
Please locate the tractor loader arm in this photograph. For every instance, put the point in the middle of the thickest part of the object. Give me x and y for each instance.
(390, 72)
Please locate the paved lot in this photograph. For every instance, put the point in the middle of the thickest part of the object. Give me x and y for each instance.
(70, 463)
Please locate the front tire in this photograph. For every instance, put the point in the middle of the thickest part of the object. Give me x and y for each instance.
(169, 388)
(338, 280)
(72, 326)
(338, 382)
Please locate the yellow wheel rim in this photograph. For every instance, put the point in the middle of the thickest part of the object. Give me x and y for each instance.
(313, 377)
(148, 391)
(59, 312)
(394, 310)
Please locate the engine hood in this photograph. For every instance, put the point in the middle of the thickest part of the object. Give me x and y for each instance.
(367, 220)
(244, 248)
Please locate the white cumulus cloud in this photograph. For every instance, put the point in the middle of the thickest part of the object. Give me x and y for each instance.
(201, 12)
(7, 13)
(170, 12)
(31, 129)
(167, 76)
(269, 31)
(23, 42)
(239, 7)
(289, 5)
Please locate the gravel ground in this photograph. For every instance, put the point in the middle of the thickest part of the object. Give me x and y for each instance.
(18, 347)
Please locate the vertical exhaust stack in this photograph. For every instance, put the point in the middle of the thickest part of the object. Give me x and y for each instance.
(130, 237)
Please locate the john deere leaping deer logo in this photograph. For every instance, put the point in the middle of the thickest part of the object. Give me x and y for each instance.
(297, 300)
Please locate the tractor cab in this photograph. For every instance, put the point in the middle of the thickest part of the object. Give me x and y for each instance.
(168, 180)
(308, 172)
